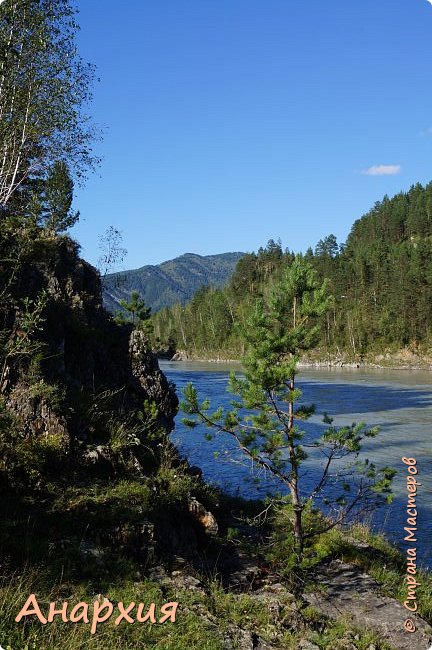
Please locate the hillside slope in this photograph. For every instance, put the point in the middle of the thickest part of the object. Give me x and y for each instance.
(381, 281)
(173, 281)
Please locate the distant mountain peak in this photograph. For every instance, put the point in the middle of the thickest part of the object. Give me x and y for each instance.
(175, 280)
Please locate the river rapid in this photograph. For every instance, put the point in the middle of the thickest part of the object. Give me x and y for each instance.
(398, 401)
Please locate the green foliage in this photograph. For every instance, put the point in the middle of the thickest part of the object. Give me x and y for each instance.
(28, 462)
(20, 343)
(58, 196)
(172, 282)
(43, 91)
(263, 416)
(206, 325)
(131, 436)
(327, 247)
(136, 307)
(52, 394)
(189, 630)
(386, 308)
(45, 140)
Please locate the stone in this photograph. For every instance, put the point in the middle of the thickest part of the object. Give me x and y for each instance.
(307, 645)
(349, 591)
(93, 552)
(145, 368)
(180, 355)
(244, 640)
(83, 349)
(203, 516)
(343, 644)
(194, 470)
(35, 415)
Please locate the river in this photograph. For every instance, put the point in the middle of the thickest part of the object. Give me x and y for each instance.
(398, 401)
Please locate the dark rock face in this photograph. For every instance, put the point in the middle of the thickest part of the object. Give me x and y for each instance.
(36, 415)
(82, 348)
(145, 369)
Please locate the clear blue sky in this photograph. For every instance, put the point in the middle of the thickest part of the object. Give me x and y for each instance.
(228, 122)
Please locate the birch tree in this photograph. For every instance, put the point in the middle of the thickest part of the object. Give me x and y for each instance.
(44, 87)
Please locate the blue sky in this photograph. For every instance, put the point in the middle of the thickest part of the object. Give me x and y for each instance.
(228, 122)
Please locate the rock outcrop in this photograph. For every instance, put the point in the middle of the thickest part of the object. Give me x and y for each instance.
(79, 349)
(349, 592)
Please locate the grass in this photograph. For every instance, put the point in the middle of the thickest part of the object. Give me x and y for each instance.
(356, 544)
(189, 631)
(204, 620)
(44, 546)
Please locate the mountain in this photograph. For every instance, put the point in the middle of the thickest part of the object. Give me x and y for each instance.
(173, 281)
(380, 279)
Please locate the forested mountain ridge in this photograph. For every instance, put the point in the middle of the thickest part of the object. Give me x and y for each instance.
(381, 280)
(174, 281)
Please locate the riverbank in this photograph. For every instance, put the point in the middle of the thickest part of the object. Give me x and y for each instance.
(404, 359)
(400, 403)
(352, 600)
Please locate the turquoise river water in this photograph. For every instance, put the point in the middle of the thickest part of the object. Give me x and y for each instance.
(398, 401)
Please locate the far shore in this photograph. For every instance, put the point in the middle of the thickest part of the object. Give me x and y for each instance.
(401, 360)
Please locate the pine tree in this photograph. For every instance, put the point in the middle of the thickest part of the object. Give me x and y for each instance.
(264, 416)
(137, 308)
(58, 198)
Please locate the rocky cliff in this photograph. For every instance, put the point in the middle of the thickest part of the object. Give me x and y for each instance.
(65, 359)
